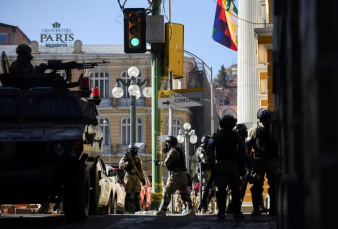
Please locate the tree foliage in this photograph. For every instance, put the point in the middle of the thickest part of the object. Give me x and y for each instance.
(221, 78)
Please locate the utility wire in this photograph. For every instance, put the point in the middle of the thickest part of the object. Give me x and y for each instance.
(254, 23)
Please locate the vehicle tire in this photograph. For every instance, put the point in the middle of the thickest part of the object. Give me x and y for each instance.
(77, 194)
(95, 191)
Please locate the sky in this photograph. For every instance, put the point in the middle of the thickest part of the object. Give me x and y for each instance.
(100, 22)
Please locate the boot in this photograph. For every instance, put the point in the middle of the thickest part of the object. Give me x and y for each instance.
(220, 215)
(239, 215)
(137, 202)
(161, 213)
(255, 212)
(230, 209)
(127, 203)
(221, 198)
(191, 211)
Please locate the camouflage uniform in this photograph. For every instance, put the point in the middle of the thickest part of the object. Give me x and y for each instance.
(207, 161)
(265, 161)
(178, 180)
(131, 179)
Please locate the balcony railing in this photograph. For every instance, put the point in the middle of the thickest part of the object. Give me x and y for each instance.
(125, 102)
(106, 150)
(106, 102)
(121, 149)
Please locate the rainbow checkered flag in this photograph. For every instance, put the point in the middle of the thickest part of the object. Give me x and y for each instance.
(225, 25)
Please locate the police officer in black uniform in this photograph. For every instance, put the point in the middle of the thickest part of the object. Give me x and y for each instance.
(242, 131)
(230, 150)
(265, 161)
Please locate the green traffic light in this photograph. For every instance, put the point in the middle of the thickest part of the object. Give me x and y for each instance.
(134, 41)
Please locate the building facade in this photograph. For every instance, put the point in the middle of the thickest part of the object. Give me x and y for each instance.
(12, 35)
(114, 114)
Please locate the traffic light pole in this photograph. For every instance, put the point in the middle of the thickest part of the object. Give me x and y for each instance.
(157, 187)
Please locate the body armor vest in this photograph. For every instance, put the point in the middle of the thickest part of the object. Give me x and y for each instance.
(137, 162)
(179, 164)
(226, 144)
(265, 146)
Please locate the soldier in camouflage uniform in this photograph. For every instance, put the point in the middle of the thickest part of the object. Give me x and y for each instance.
(265, 161)
(230, 150)
(22, 65)
(207, 162)
(178, 180)
(132, 164)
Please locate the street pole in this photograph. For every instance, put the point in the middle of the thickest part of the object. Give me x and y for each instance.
(157, 188)
(132, 117)
(186, 142)
(170, 127)
(212, 103)
(170, 121)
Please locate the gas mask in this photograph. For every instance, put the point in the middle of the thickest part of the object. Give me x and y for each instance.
(167, 147)
(134, 152)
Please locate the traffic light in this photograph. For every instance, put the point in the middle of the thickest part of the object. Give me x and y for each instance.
(135, 30)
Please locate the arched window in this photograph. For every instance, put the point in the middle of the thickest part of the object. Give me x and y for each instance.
(100, 80)
(125, 131)
(126, 78)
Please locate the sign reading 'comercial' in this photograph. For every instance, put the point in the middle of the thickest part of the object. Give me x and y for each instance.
(180, 98)
(56, 36)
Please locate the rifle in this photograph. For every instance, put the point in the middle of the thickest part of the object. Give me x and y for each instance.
(56, 65)
(132, 161)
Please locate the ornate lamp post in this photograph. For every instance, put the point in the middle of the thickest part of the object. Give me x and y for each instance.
(184, 136)
(135, 93)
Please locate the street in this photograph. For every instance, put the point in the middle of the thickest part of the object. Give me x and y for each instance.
(136, 222)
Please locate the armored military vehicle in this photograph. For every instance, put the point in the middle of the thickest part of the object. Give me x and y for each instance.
(50, 140)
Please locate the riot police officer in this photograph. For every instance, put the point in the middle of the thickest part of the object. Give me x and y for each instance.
(242, 131)
(132, 164)
(265, 161)
(178, 180)
(230, 150)
(22, 65)
(207, 162)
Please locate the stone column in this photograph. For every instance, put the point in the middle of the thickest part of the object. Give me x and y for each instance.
(247, 80)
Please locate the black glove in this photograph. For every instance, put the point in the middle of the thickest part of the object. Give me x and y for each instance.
(156, 162)
(143, 182)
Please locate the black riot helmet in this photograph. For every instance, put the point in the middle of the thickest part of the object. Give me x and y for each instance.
(171, 141)
(205, 139)
(242, 130)
(24, 50)
(227, 122)
(133, 149)
(263, 113)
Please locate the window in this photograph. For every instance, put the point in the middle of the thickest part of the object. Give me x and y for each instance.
(105, 130)
(125, 132)
(176, 127)
(221, 102)
(3, 37)
(101, 80)
(126, 78)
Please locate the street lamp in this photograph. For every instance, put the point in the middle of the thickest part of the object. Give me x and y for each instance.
(183, 136)
(135, 93)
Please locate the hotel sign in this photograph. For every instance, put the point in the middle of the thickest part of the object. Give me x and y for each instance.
(57, 37)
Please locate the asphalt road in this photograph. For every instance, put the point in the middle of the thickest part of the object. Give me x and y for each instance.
(136, 222)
